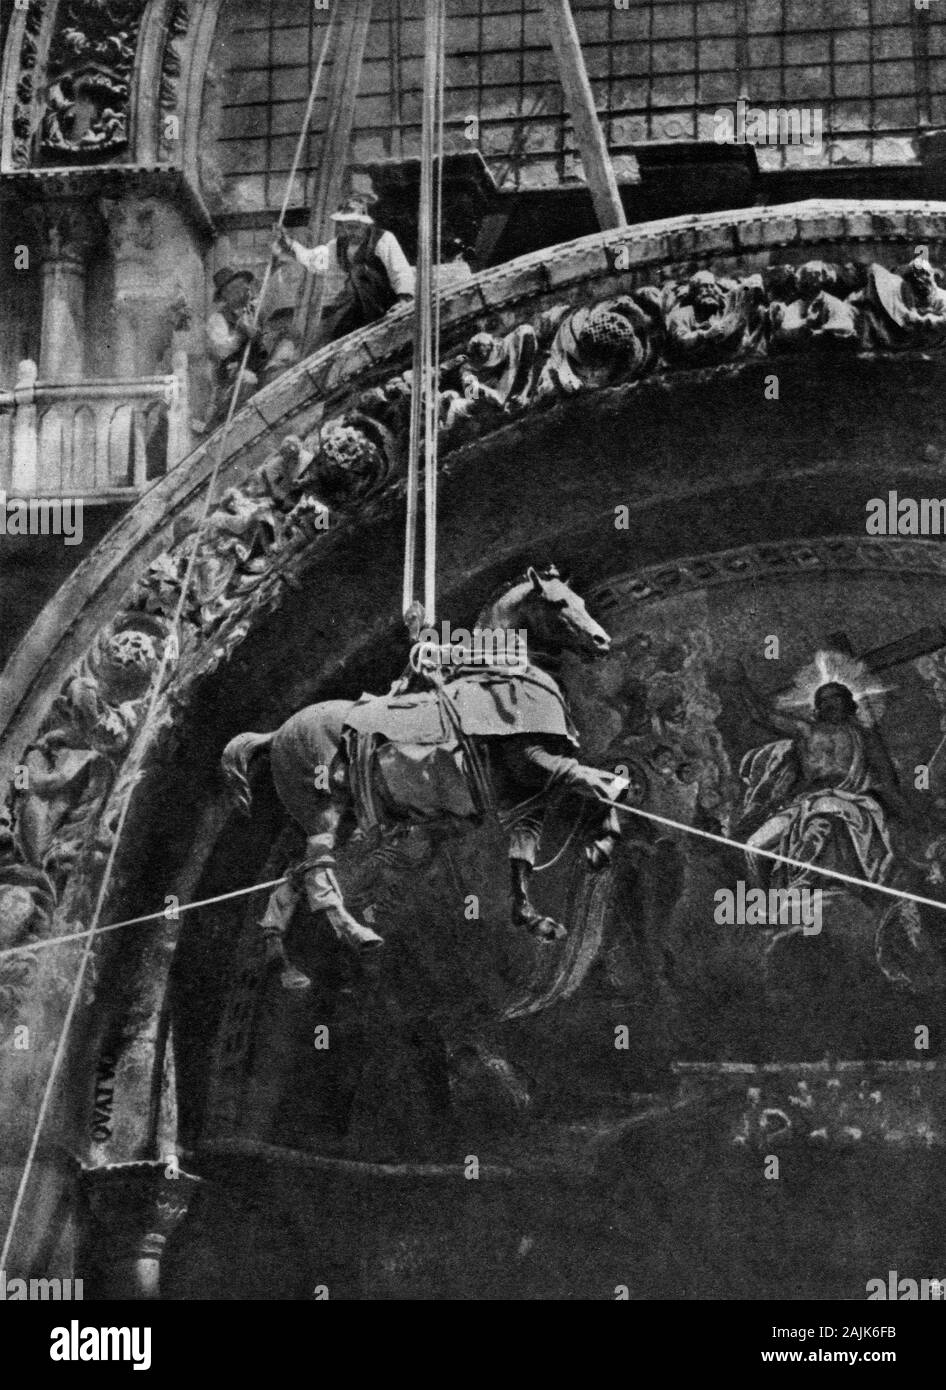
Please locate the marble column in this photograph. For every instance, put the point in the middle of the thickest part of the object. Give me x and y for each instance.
(139, 297)
(66, 234)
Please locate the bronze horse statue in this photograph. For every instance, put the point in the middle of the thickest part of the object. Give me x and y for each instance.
(444, 745)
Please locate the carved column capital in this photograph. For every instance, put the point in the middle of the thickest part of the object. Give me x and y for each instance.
(136, 1208)
(130, 226)
(64, 230)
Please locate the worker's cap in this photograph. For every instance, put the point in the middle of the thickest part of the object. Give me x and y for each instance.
(355, 209)
(226, 275)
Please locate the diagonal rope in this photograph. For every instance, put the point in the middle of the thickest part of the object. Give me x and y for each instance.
(140, 746)
(939, 749)
(30, 947)
(851, 879)
(772, 854)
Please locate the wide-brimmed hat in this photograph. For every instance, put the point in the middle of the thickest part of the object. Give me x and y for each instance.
(225, 275)
(355, 209)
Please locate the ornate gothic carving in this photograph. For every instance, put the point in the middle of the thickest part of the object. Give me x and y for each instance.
(711, 320)
(23, 110)
(703, 322)
(774, 560)
(177, 26)
(89, 67)
(73, 764)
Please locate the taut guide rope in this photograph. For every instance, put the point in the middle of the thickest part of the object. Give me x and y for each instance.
(638, 811)
(140, 746)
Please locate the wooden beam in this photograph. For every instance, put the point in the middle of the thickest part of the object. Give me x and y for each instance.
(340, 106)
(595, 158)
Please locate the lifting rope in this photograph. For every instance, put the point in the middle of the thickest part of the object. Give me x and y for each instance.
(141, 745)
(425, 375)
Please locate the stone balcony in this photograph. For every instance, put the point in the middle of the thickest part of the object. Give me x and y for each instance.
(98, 440)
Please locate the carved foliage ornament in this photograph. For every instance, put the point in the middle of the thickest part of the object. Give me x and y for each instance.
(23, 109)
(706, 321)
(177, 26)
(89, 74)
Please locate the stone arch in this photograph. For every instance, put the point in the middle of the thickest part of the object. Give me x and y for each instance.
(88, 658)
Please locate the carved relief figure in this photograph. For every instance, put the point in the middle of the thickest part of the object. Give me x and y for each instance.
(90, 62)
(711, 319)
(817, 315)
(902, 309)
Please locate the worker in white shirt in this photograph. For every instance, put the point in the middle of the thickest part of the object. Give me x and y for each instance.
(366, 272)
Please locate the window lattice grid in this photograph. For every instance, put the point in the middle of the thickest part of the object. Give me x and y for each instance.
(660, 71)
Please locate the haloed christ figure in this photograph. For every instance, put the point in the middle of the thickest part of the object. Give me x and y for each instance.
(823, 794)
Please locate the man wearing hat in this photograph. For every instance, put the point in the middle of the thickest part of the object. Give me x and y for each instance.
(229, 328)
(366, 272)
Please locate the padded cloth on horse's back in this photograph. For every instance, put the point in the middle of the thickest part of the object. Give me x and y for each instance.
(488, 703)
(494, 702)
(401, 718)
(424, 782)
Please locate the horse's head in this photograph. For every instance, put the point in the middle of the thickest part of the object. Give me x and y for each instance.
(553, 615)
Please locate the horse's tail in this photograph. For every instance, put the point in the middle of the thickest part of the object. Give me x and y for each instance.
(235, 762)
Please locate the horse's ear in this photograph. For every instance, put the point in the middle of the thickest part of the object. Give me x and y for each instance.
(534, 578)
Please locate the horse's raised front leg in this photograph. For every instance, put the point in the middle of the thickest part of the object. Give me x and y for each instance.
(523, 844)
(537, 765)
(600, 850)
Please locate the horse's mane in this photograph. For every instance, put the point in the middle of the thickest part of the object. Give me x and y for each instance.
(548, 571)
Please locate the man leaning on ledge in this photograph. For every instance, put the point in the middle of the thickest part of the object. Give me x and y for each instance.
(366, 272)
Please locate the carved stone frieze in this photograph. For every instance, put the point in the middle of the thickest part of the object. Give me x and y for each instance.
(23, 110)
(775, 560)
(177, 26)
(705, 321)
(89, 73)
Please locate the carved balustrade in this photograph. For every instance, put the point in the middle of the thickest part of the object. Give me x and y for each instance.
(98, 440)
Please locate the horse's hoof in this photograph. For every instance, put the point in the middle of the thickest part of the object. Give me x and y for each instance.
(362, 940)
(291, 978)
(598, 855)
